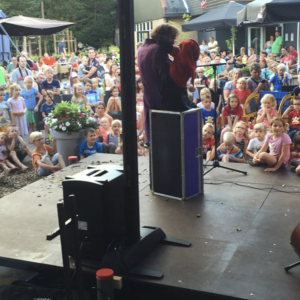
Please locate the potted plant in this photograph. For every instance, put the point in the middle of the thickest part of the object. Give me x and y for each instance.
(67, 122)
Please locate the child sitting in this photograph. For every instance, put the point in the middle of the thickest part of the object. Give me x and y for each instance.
(113, 138)
(203, 81)
(139, 95)
(5, 164)
(241, 136)
(208, 113)
(279, 79)
(279, 144)
(92, 97)
(114, 102)
(45, 110)
(233, 112)
(242, 90)
(79, 96)
(89, 146)
(295, 152)
(18, 149)
(293, 113)
(6, 116)
(229, 152)
(104, 128)
(208, 142)
(41, 161)
(268, 111)
(203, 92)
(74, 79)
(255, 144)
(97, 89)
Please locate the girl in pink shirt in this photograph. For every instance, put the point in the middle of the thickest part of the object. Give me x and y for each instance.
(279, 144)
(268, 111)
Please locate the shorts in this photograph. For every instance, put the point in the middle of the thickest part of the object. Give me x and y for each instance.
(45, 172)
(30, 119)
(4, 129)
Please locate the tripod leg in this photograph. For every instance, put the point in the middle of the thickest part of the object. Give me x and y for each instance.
(292, 266)
(243, 172)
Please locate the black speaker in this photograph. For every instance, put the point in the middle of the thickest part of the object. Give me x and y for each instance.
(99, 204)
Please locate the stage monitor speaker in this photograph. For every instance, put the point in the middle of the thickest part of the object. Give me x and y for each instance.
(99, 202)
(176, 153)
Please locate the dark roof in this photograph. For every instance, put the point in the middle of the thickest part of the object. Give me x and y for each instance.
(175, 8)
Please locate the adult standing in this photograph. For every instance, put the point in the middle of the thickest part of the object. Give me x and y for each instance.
(12, 65)
(230, 86)
(269, 44)
(255, 82)
(153, 62)
(277, 43)
(62, 46)
(18, 75)
(203, 46)
(92, 65)
(212, 45)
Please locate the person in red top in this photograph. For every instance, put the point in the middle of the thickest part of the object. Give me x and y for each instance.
(242, 90)
(293, 113)
(49, 60)
(208, 142)
(232, 112)
(287, 59)
(293, 52)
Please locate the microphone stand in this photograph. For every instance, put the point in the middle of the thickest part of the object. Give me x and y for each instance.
(216, 163)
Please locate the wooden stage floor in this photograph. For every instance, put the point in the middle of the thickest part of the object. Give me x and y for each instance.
(222, 261)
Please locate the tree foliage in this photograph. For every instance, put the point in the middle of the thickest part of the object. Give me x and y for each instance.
(95, 19)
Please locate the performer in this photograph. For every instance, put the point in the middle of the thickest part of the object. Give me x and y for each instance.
(154, 69)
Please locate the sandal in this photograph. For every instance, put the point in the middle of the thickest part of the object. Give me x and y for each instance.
(47, 141)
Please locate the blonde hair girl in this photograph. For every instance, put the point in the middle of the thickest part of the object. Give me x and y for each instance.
(79, 96)
(268, 111)
(279, 144)
(241, 135)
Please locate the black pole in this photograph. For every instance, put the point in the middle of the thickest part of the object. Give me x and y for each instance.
(128, 96)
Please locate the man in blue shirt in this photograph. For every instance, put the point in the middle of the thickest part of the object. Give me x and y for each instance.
(61, 46)
(89, 146)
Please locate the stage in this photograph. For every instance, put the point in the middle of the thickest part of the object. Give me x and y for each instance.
(239, 229)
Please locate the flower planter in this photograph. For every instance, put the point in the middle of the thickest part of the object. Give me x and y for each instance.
(68, 143)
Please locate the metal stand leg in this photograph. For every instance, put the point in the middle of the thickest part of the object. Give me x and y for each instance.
(65, 257)
(292, 265)
(216, 164)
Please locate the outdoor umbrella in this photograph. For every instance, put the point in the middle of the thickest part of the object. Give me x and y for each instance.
(24, 26)
(270, 11)
(4, 44)
(223, 17)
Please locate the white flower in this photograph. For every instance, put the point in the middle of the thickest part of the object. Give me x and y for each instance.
(64, 128)
(55, 127)
(60, 126)
(87, 121)
(68, 124)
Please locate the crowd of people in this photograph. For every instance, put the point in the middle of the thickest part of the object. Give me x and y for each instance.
(27, 87)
